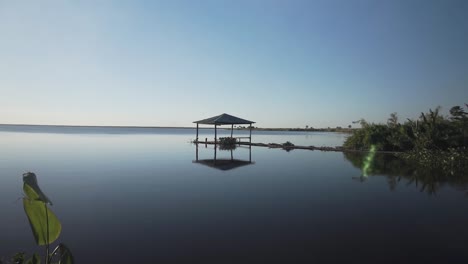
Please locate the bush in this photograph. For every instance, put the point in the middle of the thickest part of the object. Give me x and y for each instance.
(431, 131)
(227, 143)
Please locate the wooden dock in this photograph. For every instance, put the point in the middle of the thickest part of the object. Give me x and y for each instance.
(289, 147)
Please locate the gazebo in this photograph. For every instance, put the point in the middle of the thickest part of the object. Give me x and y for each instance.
(225, 119)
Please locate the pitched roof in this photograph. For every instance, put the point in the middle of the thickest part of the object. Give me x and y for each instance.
(224, 119)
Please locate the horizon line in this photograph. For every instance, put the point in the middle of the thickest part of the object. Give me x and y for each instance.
(183, 127)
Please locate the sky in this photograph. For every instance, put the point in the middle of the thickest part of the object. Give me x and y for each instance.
(276, 62)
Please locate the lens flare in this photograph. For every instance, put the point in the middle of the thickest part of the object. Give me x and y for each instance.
(368, 161)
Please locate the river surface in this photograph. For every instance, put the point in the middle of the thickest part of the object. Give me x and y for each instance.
(147, 195)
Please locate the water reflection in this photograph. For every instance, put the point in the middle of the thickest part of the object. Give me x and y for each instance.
(398, 171)
(223, 163)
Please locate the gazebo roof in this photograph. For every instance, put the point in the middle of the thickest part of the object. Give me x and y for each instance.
(224, 119)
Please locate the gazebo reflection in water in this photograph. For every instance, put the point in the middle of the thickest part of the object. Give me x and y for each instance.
(224, 163)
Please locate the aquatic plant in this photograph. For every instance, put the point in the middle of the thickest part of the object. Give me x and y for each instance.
(288, 146)
(227, 143)
(44, 224)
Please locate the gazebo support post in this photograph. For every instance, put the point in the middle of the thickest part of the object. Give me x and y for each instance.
(196, 139)
(232, 128)
(216, 140)
(250, 135)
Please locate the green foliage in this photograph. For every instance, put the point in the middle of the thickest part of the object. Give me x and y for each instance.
(431, 131)
(357, 140)
(63, 254)
(35, 193)
(19, 258)
(288, 146)
(45, 226)
(34, 260)
(227, 143)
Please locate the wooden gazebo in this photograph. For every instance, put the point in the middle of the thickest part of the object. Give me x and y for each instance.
(225, 119)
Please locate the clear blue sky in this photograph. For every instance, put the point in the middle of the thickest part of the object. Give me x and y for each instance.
(280, 63)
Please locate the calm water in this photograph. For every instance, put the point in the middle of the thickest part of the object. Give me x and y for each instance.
(139, 196)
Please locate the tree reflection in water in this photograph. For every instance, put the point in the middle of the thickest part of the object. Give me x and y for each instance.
(427, 179)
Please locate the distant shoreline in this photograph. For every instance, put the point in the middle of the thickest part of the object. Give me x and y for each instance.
(340, 130)
(90, 126)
